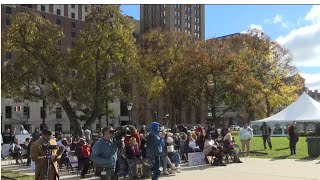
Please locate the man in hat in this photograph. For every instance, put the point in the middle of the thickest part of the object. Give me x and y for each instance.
(266, 132)
(40, 156)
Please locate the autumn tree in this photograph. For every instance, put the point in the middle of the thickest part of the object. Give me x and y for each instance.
(80, 80)
(163, 55)
(268, 77)
(103, 54)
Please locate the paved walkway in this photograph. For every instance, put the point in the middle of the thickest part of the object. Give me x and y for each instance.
(250, 169)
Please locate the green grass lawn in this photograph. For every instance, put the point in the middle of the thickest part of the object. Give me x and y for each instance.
(15, 175)
(280, 148)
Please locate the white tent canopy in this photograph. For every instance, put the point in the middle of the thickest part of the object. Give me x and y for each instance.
(303, 110)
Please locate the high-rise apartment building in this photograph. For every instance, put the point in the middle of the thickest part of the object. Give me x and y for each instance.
(71, 17)
(188, 18)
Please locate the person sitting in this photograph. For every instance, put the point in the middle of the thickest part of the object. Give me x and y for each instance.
(64, 160)
(212, 148)
(200, 140)
(174, 156)
(16, 151)
(83, 151)
(192, 145)
(229, 147)
(25, 152)
(165, 160)
(183, 144)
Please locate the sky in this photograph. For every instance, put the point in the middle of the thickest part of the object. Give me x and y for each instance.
(295, 27)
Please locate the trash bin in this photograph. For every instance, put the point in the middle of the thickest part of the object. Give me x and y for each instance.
(313, 146)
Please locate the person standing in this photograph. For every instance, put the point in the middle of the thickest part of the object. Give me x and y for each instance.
(83, 151)
(22, 131)
(245, 135)
(154, 149)
(293, 137)
(39, 156)
(87, 134)
(104, 154)
(266, 132)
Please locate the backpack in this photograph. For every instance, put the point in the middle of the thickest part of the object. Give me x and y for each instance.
(86, 150)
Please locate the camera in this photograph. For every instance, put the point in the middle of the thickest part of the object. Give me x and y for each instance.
(47, 146)
(121, 132)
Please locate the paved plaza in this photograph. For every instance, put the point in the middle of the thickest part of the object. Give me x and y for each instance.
(251, 168)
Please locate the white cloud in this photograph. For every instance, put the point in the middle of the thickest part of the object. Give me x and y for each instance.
(277, 19)
(312, 80)
(304, 44)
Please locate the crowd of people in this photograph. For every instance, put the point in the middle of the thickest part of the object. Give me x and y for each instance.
(164, 150)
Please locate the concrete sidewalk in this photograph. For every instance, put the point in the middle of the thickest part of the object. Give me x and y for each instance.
(251, 168)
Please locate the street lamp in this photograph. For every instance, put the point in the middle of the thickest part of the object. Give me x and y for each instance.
(129, 106)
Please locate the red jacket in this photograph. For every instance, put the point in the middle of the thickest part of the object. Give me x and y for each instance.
(127, 138)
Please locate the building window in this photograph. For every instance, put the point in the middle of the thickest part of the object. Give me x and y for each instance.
(185, 31)
(58, 21)
(179, 29)
(179, 22)
(8, 111)
(189, 25)
(185, 16)
(175, 13)
(185, 8)
(195, 27)
(185, 24)
(195, 12)
(8, 10)
(58, 112)
(58, 11)
(73, 6)
(86, 9)
(73, 15)
(73, 34)
(178, 14)
(8, 55)
(198, 28)
(198, 35)
(73, 24)
(43, 8)
(8, 21)
(164, 21)
(189, 9)
(164, 13)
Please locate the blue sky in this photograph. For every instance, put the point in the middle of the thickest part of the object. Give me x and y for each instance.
(296, 27)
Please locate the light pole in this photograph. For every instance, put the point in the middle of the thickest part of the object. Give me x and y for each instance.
(129, 106)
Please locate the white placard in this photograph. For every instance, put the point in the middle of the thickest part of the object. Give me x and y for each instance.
(196, 159)
(5, 150)
(22, 137)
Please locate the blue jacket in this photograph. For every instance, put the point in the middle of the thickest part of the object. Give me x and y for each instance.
(154, 142)
(104, 153)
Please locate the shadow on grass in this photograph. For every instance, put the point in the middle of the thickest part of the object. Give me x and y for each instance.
(280, 157)
(307, 158)
(282, 149)
(257, 153)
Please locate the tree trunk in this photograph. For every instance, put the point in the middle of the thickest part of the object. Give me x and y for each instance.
(213, 115)
(269, 108)
(72, 116)
(251, 115)
(172, 116)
